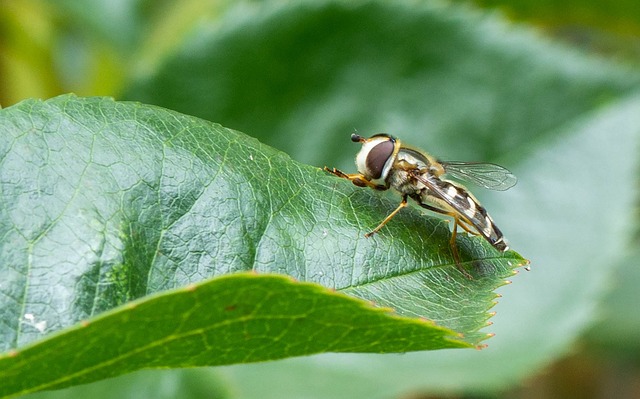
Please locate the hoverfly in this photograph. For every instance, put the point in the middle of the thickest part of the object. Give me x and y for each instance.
(384, 162)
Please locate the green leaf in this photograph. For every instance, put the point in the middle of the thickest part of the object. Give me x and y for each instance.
(233, 319)
(618, 327)
(463, 85)
(105, 202)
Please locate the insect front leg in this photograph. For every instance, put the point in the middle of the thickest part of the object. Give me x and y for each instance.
(356, 178)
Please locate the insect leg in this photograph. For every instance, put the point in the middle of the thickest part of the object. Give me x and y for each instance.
(454, 247)
(460, 222)
(463, 223)
(457, 221)
(403, 203)
(356, 178)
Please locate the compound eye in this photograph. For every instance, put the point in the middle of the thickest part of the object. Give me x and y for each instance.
(378, 157)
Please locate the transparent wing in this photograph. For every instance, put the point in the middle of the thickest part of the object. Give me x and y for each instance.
(487, 175)
(464, 205)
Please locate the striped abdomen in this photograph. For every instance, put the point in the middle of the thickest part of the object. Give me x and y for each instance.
(466, 206)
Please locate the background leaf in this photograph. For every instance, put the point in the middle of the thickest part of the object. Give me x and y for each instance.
(452, 80)
(148, 384)
(621, 17)
(616, 329)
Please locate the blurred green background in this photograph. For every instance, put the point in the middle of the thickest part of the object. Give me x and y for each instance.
(552, 91)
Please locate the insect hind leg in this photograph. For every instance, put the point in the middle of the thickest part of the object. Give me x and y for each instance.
(457, 221)
(454, 247)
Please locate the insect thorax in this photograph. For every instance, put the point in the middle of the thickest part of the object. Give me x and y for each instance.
(408, 161)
